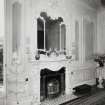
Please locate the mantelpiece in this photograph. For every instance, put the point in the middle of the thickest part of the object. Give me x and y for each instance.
(53, 64)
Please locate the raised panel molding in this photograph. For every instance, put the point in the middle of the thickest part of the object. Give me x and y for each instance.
(82, 73)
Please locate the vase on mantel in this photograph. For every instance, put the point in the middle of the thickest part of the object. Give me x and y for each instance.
(100, 81)
(37, 56)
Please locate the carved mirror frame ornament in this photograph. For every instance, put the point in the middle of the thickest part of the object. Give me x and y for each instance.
(55, 52)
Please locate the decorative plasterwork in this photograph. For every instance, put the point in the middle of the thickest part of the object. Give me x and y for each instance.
(53, 65)
(93, 3)
(55, 8)
(53, 3)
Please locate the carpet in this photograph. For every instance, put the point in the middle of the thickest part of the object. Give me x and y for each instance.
(94, 99)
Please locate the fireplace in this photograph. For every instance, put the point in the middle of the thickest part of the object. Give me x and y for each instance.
(52, 83)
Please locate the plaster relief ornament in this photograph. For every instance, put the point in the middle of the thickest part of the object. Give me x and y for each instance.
(53, 3)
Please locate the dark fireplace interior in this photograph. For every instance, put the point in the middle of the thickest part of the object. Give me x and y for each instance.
(52, 83)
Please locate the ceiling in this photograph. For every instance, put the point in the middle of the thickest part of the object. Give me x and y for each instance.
(93, 3)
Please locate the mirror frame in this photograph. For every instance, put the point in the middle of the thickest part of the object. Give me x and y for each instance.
(44, 23)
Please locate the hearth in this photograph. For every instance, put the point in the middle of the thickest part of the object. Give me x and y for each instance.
(52, 83)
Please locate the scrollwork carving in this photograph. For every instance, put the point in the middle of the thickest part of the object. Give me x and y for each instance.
(53, 3)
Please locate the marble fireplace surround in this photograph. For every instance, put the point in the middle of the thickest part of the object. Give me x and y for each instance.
(54, 64)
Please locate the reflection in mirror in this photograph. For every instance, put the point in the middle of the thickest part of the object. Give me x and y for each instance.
(40, 32)
(16, 26)
(63, 36)
(51, 33)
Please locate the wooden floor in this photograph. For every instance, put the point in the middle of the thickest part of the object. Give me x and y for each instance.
(95, 94)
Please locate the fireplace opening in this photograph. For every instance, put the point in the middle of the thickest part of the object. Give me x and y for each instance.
(52, 83)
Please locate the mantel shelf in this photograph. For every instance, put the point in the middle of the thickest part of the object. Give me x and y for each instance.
(50, 60)
(52, 64)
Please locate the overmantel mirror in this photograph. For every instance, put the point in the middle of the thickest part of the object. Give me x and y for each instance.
(51, 33)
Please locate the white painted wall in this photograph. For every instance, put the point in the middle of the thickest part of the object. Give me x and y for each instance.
(101, 37)
(101, 30)
(1, 18)
(2, 33)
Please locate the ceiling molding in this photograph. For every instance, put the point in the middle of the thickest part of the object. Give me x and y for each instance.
(93, 3)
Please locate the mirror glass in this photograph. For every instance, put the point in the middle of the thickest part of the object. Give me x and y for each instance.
(40, 34)
(51, 33)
